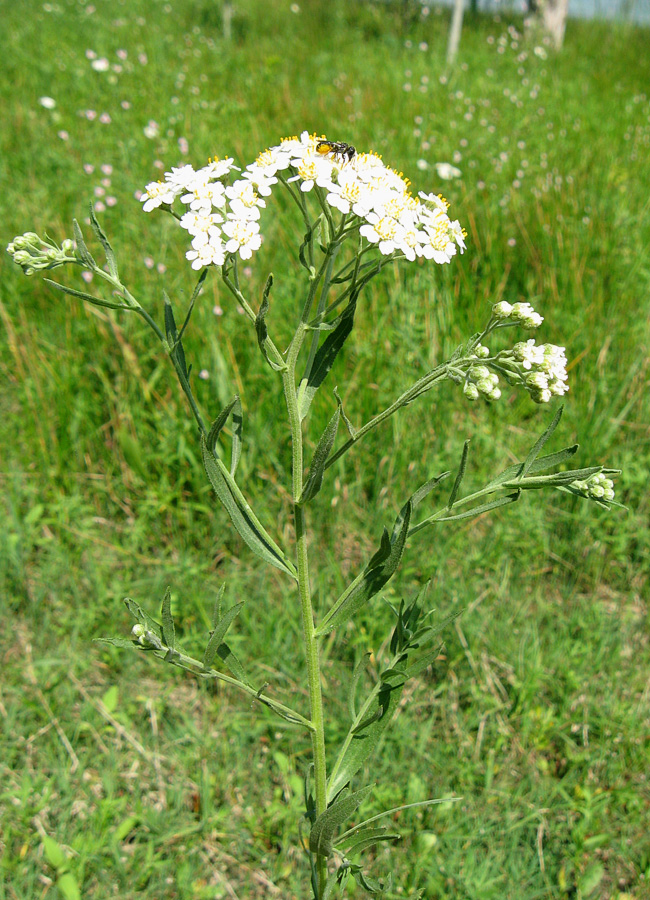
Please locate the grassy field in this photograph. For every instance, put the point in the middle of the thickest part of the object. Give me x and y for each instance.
(119, 778)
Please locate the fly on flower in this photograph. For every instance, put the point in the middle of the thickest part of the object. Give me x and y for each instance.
(336, 148)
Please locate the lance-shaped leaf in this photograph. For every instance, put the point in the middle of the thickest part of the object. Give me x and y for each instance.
(173, 337)
(111, 262)
(260, 326)
(539, 465)
(366, 838)
(305, 243)
(315, 478)
(233, 408)
(366, 730)
(82, 295)
(377, 573)
(143, 617)
(82, 251)
(226, 489)
(322, 831)
(539, 443)
(219, 633)
(554, 479)
(168, 630)
(354, 681)
(325, 356)
(381, 567)
(475, 511)
(459, 476)
(348, 424)
(123, 643)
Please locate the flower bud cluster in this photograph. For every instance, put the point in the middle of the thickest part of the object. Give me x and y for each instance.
(542, 369)
(224, 219)
(598, 487)
(517, 314)
(33, 253)
(480, 380)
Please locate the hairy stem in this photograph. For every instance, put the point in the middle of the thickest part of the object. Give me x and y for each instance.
(311, 641)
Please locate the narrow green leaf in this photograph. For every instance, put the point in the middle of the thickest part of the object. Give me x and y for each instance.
(241, 515)
(230, 659)
(352, 692)
(372, 885)
(54, 854)
(143, 617)
(459, 477)
(260, 325)
(67, 885)
(216, 614)
(125, 828)
(173, 337)
(544, 462)
(111, 262)
(478, 510)
(82, 250)
(322, 831)
(361, 739)
(369, 838)
(377, 573)
(305, 242)
(124, 643)
(323, 449)
(168, 630)
(195, 293)
(219, 633)
(554, 479)
(324, 359)
(234, 408)
(391, 812)
(82, 295)
(539, 443)
(348, 424)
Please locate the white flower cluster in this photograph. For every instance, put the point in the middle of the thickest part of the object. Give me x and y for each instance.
(517, 314)
(224, 219)
(546, 365)
(598, 487)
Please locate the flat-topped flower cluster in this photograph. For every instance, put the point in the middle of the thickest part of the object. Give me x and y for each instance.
(223, 219)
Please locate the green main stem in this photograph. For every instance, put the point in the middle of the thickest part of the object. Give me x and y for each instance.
(312, 645)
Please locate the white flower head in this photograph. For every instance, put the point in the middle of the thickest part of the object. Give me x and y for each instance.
(156, 194)
(244, 237)
(208, 253)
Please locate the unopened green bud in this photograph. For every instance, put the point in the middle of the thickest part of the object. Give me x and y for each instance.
(138, 631)
(481, 351)
(470, 390)
(477, 373)
(67, 245)
(597, 491)
(494, 394)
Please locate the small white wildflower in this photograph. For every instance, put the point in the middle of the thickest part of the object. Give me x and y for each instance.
(47, 102)
(157, 193)
(447, 172)
(244, 237)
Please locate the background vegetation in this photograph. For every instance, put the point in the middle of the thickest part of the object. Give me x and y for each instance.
(119, 778)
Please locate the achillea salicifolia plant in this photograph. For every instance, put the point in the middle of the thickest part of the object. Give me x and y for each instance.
(357, 216)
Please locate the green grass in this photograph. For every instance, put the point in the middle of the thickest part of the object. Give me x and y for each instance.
(537, 713)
